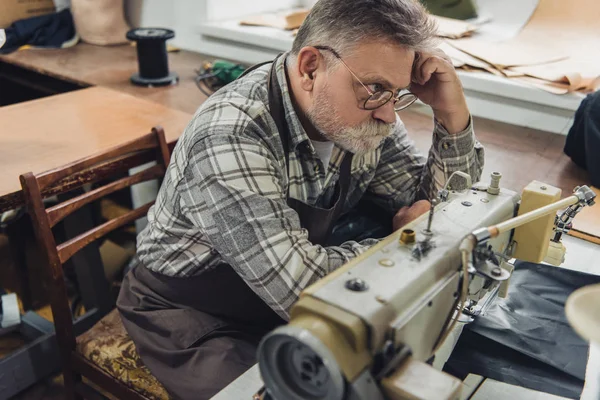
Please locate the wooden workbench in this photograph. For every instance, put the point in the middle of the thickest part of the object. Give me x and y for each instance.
(46, 133)
(111, 67)
(520, 154)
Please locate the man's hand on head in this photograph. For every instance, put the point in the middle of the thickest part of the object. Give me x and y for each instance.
(436, 83)
(408, 214)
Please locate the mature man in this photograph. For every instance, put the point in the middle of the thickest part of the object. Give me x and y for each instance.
(267, 165)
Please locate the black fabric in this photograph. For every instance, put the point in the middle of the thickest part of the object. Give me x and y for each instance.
(318, 221)
(526, 340)
(583, 140)
(365, 221)
(51, 30)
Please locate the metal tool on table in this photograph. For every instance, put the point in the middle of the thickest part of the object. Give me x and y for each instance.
(214, 75)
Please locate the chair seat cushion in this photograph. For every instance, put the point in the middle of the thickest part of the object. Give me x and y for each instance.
(108, 346)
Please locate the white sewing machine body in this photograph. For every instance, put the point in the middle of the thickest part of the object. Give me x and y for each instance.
(401, 296)
(366, 330)
(411, 292)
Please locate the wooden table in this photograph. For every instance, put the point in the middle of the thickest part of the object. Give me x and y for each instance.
(111, 67)
(47, 133)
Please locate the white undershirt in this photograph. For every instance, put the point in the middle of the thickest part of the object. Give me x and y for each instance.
(323, 150)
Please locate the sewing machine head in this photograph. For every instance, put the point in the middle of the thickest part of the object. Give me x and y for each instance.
(366, 330)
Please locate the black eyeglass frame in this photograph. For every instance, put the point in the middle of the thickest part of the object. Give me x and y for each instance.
(409, 95)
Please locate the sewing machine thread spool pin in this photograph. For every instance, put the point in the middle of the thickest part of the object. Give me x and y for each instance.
(494, 187)
(408, 236)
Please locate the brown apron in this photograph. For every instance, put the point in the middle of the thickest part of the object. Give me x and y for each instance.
(197, 334)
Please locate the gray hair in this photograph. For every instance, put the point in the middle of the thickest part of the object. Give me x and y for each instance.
(343, 24)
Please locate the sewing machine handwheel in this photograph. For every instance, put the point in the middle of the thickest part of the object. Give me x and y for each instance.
(295, 365)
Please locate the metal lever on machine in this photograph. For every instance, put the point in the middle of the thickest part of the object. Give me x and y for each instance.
(562, 223)
(474, 245)
(582, 196)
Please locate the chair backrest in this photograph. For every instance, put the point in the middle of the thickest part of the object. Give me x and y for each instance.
(93, 169)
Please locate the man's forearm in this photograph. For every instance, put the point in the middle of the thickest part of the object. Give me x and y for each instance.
(458, 151)
(453, 122)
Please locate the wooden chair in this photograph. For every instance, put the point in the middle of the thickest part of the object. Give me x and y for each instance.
(104, 354)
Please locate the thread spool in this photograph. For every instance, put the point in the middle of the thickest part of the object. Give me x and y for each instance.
(153, 64)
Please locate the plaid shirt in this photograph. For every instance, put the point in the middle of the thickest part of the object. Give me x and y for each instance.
(223, 199)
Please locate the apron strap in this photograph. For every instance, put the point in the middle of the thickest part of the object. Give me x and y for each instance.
(275, 103)
(277, 111)
(318, 221)
(253, 68)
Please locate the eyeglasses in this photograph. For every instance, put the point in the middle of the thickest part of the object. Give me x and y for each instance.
(378, 98)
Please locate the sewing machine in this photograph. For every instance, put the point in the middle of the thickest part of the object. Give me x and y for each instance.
(367, 330)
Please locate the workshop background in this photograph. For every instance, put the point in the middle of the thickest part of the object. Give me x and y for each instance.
(77, 78)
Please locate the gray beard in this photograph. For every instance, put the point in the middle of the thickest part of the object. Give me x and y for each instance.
(359, 139)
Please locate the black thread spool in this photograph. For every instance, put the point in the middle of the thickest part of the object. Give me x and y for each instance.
(153, 64)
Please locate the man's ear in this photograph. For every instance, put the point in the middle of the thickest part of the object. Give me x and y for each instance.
(309, 60)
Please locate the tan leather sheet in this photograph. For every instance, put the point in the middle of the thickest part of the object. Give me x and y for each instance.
(288, 20)
(559, 44)
(553, 52)
(508, 54)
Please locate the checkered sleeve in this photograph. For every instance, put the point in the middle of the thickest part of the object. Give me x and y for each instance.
(404, 176)
(234, 189)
